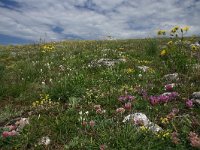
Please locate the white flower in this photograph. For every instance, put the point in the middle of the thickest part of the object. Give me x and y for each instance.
(45, 141)
(80, 113)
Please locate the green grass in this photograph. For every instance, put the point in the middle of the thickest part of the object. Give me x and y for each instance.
(71, 75)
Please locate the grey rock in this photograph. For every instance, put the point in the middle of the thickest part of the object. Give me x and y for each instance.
(172, 77)
(196, 95)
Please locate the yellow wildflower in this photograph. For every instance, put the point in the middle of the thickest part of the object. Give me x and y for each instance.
(129, 70)
(186, 28)
(166, 134)
(194, 48)
(170, 43)
(143, 128)
(161, 32)
(34, 104)
(164, 120)
(163, 52)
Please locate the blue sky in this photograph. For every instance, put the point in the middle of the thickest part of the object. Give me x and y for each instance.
(28, 21)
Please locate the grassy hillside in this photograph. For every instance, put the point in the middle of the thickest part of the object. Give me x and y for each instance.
(78, 92)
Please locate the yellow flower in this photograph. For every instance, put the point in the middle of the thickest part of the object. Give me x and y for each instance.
(186, 28)
(143, 128)
(34, 104)
(176, 27)
(129, 70)
(194, 48)
(164, 120)
(170, 43)
(161, 32)
(166, 134)
(163, 52)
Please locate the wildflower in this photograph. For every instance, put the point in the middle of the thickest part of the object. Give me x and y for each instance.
(163, 52)
(175, 138)
(129, 70)
(102, 147)
(186, 28)
(84, 123)
(92, 123)
(189, 103)
(166, 135)
(80, 112)
(164, 120)
(194, 139)
(87, 112)
(34, 104)
(6, 134)
(170, 43)
(169, 87)
(175, 29)
(194, 48)
(143, 128)
(12, 127)
(154, 100)
(122, 98)
(45, 141)
(127, 106)
(120, 110)
(161, 32)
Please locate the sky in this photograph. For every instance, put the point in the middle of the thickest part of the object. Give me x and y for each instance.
(29, 21)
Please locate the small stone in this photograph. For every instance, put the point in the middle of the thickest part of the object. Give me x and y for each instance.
(172, 77)
(196, 95)
(196, 101)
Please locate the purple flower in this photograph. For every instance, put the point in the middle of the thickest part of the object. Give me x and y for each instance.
(189, 103)
(130, 98)
(169, 87)
(164, 98)
(126, 98)
(122, 98)
(154, 100)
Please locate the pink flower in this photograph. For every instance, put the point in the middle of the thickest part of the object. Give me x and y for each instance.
(92, 123)
(98, 111)
(127, 106)
(189, 103)
(84, 123)
(194, 140)
(102, 147)
(120, 110)
(9, 133)
(12, 127)
(175, 138)
(169, 87)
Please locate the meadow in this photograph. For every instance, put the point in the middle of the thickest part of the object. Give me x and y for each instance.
(76, 94)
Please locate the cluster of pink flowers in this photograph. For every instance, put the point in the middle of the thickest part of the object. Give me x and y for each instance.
(194, 140)
(11, 131)
(189, 103)
(175, 138)
(163, 98)
(99, 110)
(91, 123)
(173, 113)
(126, 98)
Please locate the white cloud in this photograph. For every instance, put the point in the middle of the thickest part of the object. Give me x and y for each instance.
(92, 19)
